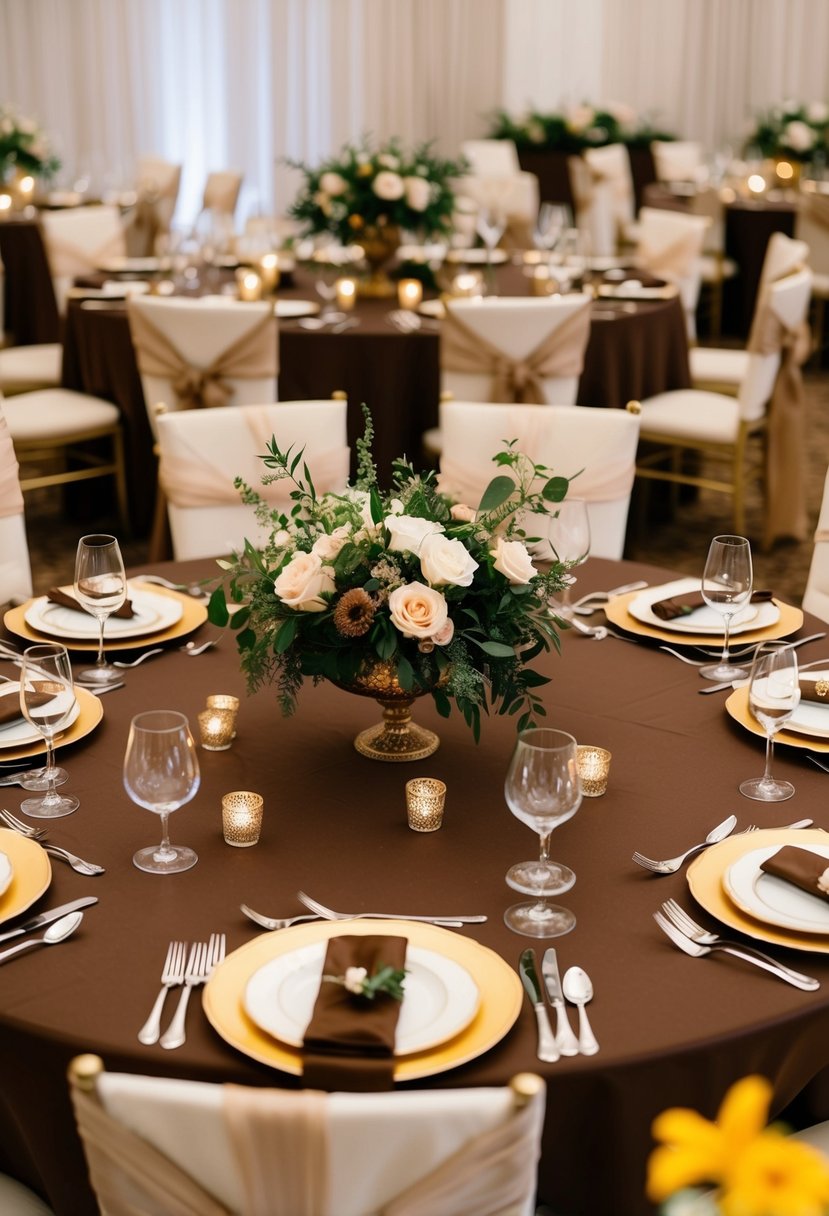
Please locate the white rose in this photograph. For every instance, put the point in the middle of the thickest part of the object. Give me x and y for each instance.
(462, 512)
(323, 202)
(328, 545)
(281, 539)
(353, 979)
(388, 186)
(302, 582)
(417, 611)
(362, 499)
(407, 532)
(513, 561)
(445, 634)
(388, 161)
(817, 111)
(333, 183)
(579, 117)
(417, 193)
(798, 135)
(446, 562)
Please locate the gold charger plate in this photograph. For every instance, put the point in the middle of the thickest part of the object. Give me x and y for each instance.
(616, 611)
(91, 712)
(193, 615)
(705, 880)
(499, 986)
(32, 873)
(738, 708)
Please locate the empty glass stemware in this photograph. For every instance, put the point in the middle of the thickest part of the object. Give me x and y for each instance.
(490, 226)
(47, 699)
(726, 586)
(542, 789)
(773, 696)
(569, 537)
(161, 773)
(100, 588)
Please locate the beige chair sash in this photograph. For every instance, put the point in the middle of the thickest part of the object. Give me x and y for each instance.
(11, 496)
(68, 260)
(816, 206)
(252, 357)
(560, 354)
(675, 259)
(786, 436)
(221, 193)
(143, 226)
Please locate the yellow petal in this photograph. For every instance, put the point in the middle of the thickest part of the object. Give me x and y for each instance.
(681, 1126)
(777, 1176)
(671, 1169)
(744, 1110)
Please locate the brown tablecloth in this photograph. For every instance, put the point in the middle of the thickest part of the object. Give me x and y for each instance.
(31, 311)
(673, 1030)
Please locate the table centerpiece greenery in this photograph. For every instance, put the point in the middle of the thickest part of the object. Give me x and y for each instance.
(576, 128)
(398, 594)
(792, 130)
(24, 148)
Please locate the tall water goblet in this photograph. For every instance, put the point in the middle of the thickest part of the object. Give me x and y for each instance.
(726, 586)
(569, 538)
(47, 699)
(490, 226)
(549, 225)
(161, 773)
(100, 588)
(773, 696)
(542, 789)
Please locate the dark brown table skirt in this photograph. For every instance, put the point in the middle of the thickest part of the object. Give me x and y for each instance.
(31, 314)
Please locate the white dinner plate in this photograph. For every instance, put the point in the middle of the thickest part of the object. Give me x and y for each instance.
(478, 257)
(119, 289)
(702, 620)
(773, 900)
(6, 872)
(296, 308)
(422, 253)
(20, 732)
(124, 265)
(432, 308)
(810, 717)
(632, 289)
(152, 613)
(441, 998)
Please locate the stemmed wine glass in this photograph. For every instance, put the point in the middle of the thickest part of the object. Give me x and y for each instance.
(549, 225)
(161, 773)
(490, 226)
(542, 789)
(773, 696)
(569, 537)
(47, 698)
(100, 588)
(726, 586)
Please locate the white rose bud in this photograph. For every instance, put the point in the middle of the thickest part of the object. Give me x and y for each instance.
(407, 532)
(446, 562)
(353, 980)
(333, 183)
(462, 512)
(303, 581)
(417, 611)
(328, 546)
(445, 634)
(388, 186)
(388, 161)
(418, 193)
(513, 561)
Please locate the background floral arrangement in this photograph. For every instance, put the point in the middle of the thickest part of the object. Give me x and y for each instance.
(576, 128)
(24, 146)
(757, 1170)
(447, 595)
(792, 129)
(387, 186)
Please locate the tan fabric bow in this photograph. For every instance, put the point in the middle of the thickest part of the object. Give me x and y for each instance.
(68, 260)
(786, 428)
(11, 496)
(251, 357)
(560, 354)
(143, 226)
(675, 259)
(816, 207)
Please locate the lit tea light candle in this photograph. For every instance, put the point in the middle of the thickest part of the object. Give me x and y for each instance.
(756, 183)
(593, 764)
(249, 284)
(409, 294)
(346, 294)
(5, 204)
(542, 282)
(216, 729)
(224, 701)
(425, 798)
(269, 272)
(242, 818)
(468, 283)
(26, 188)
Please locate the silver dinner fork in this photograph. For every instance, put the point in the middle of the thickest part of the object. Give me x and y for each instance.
(204, 957)
(172, 974)
(148, 654)
(275, 922)
(698, 950)
(454, 922)
(54, 850)
(670, 865)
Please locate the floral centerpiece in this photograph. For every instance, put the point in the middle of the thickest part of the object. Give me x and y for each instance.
(24, 148)
(398, 594)
(792, 130)
(576, 128)
(757, 1170)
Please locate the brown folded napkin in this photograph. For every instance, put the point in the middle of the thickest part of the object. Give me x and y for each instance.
(10, 710)
(349, 1043)
(684, 605)
(56, 596)
(800, 867)
(816, 689)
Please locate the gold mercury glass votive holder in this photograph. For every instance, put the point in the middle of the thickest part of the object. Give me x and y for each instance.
(216, 729)
(268, 271)
(594, 769)
(249, 285)
(425, 797)
(242, 818)
(409, 294)
(222, 700)
(346, 294)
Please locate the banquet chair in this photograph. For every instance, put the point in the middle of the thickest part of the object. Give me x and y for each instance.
(812, 226)
(78, 240)
(677, 160)
(816, 595)
(768, 405)
(201, 452)
(449, 1152)
(157, 187)
(595, 207)
(670, 246)
(221, 191)
(497, 181)
(15, 570)
(612, 164)
(595, 446)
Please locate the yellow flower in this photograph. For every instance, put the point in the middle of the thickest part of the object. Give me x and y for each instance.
(365, 169)
(695, 1150)
(355, 221)
(776, 1176)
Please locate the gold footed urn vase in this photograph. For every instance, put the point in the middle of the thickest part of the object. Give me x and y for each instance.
(396, 738)
(379, 244)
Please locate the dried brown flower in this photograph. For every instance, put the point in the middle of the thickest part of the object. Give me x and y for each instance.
(354, 613)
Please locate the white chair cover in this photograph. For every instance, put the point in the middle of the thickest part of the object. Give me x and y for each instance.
(816, 595)
(613, 164)
(595, 207)
(15, 571)
(498, 182)
(784, 256)
(812, 227)
(221, 191)
(678, 160)
(77, 241)
(670, 246)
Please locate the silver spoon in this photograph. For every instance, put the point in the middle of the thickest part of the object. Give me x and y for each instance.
(194, 648)
(148, 654)
(274, 922)
(57, 932)
(578, 990)
(590, 631)
(195, 589)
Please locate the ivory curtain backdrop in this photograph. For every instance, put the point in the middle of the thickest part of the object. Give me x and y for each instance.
(241, 83)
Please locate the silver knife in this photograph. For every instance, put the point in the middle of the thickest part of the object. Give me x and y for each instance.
(547, 1050)
(566, 1041)
(46, 918)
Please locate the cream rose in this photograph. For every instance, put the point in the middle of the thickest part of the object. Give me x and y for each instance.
(407, 532)
(388, 186)
(798, 135)
(302, 582)
(817, 111)
(445, 634)
(328, 545)
(462, 512)
(446, 562)
(417, 611)
(417, 192)
(333, 183)
(513, 561)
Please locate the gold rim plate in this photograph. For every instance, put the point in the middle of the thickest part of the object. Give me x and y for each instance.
(498, 984)
(193, 615)
(705, 880)
(738, 708)
(616, 611)
(91, 713)
(32, 874)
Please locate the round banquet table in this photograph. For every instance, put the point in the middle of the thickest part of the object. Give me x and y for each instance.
(673, 1030)
(31, 313)
(636, 349)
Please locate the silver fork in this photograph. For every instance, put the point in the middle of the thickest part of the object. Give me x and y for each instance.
(684, 658)
(682, 929)
(453, 922)
(670, 865)
(194, 973)
(275, 922)
(148, 654)
(172, 974)
(40, 835)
